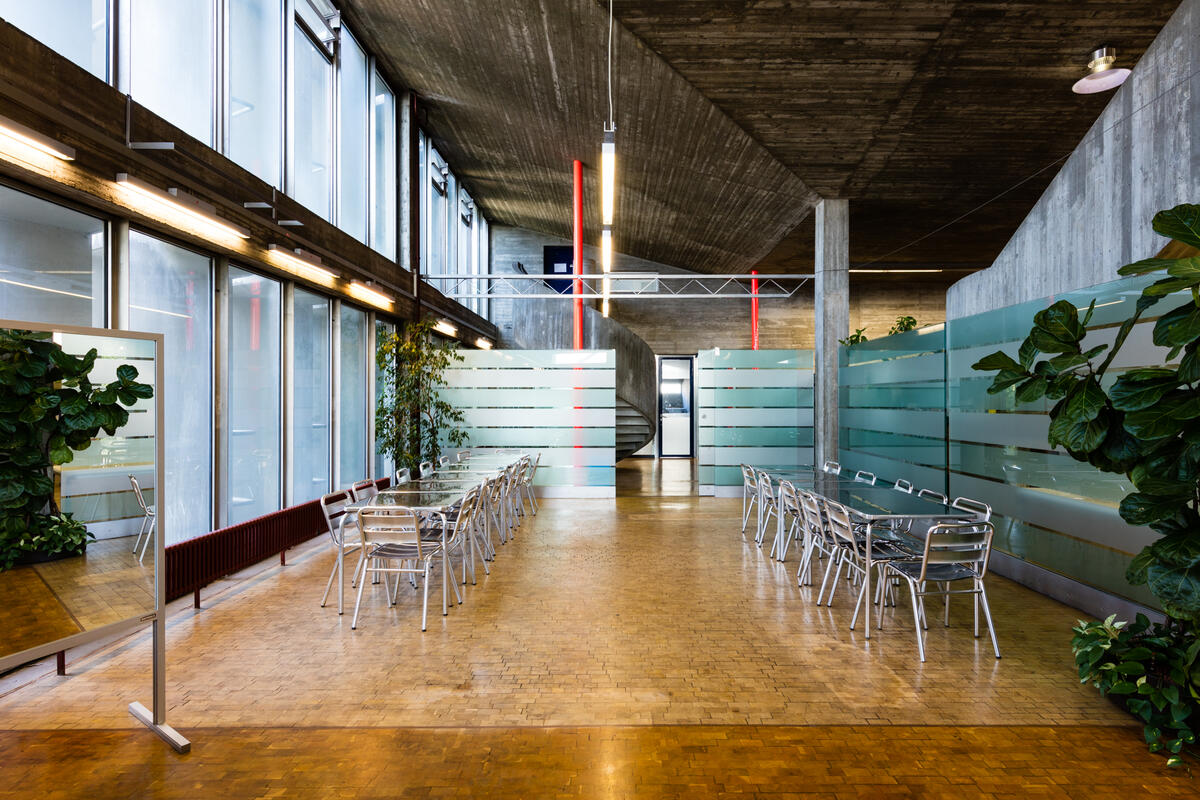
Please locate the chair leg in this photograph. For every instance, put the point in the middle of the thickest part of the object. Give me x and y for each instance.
(825, 580)
(361, 585)
(862, 593)
(329, 583)
(149, 536)
(987, 615)
(912, 590)
(425, 599)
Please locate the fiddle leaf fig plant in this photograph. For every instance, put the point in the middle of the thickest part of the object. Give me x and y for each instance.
(903, 324)
(49, 410)
(412, 421)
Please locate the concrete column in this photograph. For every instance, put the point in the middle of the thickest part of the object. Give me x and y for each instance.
(831, 294)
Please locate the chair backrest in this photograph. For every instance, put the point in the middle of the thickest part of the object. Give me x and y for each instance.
(462, 455)
(137, 494)
(364, 489)
(832, 466)
(810, 507)
(839, 524)
(930, 494)
(402, 476)
(467, 510)
(967, 545)
(789, 499)
(862, 476)
(531, 468)
(426, 469)
(749, 479)
(443, 461)
(977, 507)
(397, 525)
(766, 488)
(903, 486)
(333, 508)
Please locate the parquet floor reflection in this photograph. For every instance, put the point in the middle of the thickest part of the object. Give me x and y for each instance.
(647, 629)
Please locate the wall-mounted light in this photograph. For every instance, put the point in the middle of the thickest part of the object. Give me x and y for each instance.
(370, 296)
(445, 327)
(27, 137)
(174, 201)
(303, 263)
(1102, 75)
(483, 344)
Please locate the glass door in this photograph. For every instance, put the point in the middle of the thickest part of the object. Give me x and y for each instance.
(675, 407)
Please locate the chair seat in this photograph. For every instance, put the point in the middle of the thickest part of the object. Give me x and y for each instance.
(404, 551)
(935, 572)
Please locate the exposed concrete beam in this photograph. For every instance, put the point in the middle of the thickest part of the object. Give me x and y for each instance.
(832, 315)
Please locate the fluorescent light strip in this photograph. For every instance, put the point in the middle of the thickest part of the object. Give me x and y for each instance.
(31, 138)
(608, 177)
(896, 271)
(46, 289)
(183, 204)
(161, 311)
(483, 344)
(368, 295)
(444, 326)
(305, 264)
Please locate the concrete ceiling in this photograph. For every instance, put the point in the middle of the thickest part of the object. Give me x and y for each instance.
(733, 115)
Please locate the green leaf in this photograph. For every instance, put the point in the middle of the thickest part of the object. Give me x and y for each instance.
(126, 373)
(1123, 687)
(1027, 353)
(1086, 401)
(1178, 327)
(1141, 509)
(1185, 269)
(1031, 390)
(1189, 367)
(1005, 379)
(1180, 550)
(1086, 436)
(1177, 589)
(1137, 389)
(1163, 419)
(1181, 223)
(1145, 266)
(1067, 361)
(997, 361)
(1167, 286)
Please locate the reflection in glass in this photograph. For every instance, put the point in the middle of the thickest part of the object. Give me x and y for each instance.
(313, 124)
(77, 29)
(171, 62)
(383, 184)
(256, 87)
(253, 436)
(310, 404)
(352, 410)
(51, 262)
(438, 212)
(383, 461)
(353, 94)
(170, 292)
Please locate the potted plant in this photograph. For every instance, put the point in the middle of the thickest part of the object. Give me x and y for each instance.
(904, 323)
(1145, 425)
(49, 410)
(411, 419)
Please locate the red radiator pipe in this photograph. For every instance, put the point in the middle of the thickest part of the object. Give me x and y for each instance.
(578, 287)
(754, 311)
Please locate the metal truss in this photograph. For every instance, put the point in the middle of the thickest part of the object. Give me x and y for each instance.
(621, 286)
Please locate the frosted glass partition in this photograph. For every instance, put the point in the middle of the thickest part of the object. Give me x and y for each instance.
(560, 403)
(1051, 510)
(892, 407)
(756, 407)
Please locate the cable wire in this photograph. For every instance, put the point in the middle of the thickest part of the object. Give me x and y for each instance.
(612, 126)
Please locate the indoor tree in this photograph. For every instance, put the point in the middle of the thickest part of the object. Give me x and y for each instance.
(412, 421)
(1145, 424)
(49, 410)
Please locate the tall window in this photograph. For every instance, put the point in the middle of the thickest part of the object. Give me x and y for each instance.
(171, 62)
(170, 292)
(253, 395)
(256, 87)
(354, 92)
(77, 29)
(310, 396)
(51, 262)
(383, 461)
(352, 408)
(438, 213)
(313, 128)
(482, 267)
(383, 158)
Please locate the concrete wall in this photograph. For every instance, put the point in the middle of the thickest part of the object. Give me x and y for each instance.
(680, 327)
(1142, 155)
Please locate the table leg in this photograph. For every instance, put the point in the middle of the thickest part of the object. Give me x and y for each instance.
(445, 570)
(867, 580)
(341, 566)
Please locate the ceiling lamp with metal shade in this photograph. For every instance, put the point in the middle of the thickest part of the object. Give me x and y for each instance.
(1103, 75)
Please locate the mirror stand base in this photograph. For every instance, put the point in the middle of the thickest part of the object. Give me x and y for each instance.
(164, 731)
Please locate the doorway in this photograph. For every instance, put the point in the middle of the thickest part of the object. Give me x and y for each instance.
(676, 437)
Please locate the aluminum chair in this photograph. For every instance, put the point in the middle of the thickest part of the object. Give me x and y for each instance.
(343, 533)
(426, 469)
(402, 476)
(749, 493)
(817, 537)
(444, 461)
(391, 535)
(768, 504)
(149, 519)
(953, 552)
(980, 509)
(364, 489)
(462, 455)
(527, 475)
(852, 554)
(862, 476)
(789, 506)
(903, 486)
(930, 494)
(832, 467)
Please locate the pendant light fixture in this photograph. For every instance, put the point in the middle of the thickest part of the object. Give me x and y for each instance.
(608, 177)
(1103, 75)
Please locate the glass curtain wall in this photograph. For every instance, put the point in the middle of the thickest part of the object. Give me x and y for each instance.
(313, 130)
(77, 29)
(354, 92)
(310, 396)
(352, 406)
(170, 292)
(51, 262)
(255, 113)
(438, 214)
(253, 392)
(171, 68)
(383, 160)
(384, 465)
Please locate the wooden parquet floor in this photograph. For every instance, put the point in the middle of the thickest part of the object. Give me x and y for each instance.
(631, 648)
